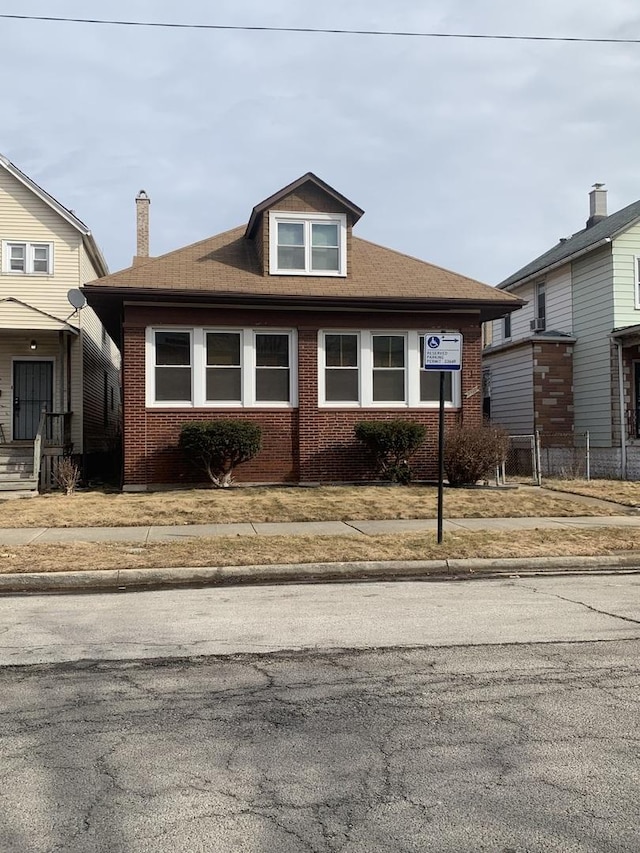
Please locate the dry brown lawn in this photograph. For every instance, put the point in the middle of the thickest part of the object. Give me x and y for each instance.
(265, 504)
(621, 491)
(239, 551)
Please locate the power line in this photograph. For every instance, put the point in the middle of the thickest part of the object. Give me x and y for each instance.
(323, 31)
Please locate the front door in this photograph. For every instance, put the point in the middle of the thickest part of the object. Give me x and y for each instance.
(32, 392)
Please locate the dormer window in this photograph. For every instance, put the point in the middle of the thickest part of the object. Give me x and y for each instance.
(307, 244)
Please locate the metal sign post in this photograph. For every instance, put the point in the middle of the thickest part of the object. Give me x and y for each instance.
(442, 352)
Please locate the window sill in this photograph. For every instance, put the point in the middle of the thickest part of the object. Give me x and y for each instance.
(311, 274)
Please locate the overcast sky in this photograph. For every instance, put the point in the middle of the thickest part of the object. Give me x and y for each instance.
(475, 155)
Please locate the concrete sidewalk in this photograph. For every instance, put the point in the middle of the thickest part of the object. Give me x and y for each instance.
(147, 535)
(117, 580)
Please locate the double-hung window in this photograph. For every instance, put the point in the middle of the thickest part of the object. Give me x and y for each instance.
(172, 366)
(272, 369)
(389, 359)
(379, 369)
(307, 244)
(341, 367)
(27, 258)
(220, 367)
(223, 367)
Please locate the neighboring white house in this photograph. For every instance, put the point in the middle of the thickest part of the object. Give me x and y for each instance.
(568, 362)
(55, 356)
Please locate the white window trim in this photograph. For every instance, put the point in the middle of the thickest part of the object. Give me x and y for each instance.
(412, 368)
(340, 219)
(150, 369)
(198, 369)
(29, 245)
(636, 269)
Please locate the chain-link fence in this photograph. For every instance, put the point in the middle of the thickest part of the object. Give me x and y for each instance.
(532, 457)
(565, 455)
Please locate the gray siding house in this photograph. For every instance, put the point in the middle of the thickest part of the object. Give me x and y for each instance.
(568, 362)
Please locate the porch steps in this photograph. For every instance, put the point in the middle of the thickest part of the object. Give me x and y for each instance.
(16, 468)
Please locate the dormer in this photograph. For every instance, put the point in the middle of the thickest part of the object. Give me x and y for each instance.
(304, 230)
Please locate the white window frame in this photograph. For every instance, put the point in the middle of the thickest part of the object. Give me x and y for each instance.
(308, 219)
(636, 268)
(322, 366)
(412, 368)
(29, 251)
(199, 368)
(150, 368)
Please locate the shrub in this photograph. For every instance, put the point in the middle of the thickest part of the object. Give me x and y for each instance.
(391, 443)
(217, 447)
(66, 475)
(472, 452)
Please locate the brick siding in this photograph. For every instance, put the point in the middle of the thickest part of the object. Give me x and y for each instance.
(553, 387)
(308, 444)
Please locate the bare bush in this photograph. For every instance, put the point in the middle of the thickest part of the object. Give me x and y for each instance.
(66, 475)
(472, 452)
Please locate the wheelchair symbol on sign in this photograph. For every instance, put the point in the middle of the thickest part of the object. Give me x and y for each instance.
(433, 342)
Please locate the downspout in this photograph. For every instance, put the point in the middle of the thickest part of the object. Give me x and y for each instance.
(623, 431)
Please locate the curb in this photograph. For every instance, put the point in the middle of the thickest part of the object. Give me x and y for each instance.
(121, 580)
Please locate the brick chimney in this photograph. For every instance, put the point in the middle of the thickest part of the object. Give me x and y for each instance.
(142, 227)
(597, 205)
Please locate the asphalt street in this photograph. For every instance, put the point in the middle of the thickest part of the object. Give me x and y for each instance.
(223, 620)
(497, 716)
(509, 749)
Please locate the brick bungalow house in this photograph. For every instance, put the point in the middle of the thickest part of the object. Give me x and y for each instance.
(296, 324)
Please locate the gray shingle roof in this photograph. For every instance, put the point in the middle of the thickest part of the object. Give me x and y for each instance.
(580, 242)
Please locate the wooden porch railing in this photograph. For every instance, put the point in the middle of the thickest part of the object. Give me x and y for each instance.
(53, 439)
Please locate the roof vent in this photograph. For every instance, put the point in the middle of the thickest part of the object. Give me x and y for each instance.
(597, 205)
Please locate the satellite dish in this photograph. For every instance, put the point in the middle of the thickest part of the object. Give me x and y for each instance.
(76, 298)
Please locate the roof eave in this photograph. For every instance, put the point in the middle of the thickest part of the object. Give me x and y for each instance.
(547, 268)
(43, 195)
(111, 299)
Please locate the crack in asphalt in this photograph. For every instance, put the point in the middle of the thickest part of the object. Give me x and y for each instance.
(581, 603)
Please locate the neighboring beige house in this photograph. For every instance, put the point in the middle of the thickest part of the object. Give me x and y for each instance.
(568, 362)
(55, 356)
